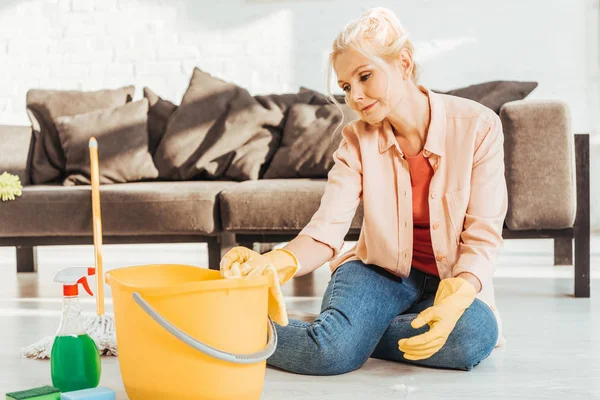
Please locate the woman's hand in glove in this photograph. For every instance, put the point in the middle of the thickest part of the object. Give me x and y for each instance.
(241, 261)
(453, 297)
(278, 265)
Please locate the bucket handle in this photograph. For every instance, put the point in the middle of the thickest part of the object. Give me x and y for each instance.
(205, 348)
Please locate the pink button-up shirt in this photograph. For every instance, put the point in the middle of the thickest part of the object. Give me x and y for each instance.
(467, 194)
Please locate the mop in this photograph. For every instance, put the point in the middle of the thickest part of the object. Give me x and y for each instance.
(101, 328)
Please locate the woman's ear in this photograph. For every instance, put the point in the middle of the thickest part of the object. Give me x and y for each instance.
(406, 63)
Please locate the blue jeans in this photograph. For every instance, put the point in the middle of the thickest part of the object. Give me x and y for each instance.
(365, 311)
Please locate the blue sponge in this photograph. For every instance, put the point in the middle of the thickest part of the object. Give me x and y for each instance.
(99, 393)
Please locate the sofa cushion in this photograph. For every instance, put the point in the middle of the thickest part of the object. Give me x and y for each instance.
(122, 136)
(309, 140)
(282, 103)
(540, 165)
(319, 98)
(158, 116)
(491, 94)
(274, 205)
(279, 106)
(15, 147)
(44, 106)
(140, 208)
(494, 94)
(218, 132)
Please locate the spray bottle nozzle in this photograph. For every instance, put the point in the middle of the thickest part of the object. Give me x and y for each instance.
(72, 277)
(85, 285)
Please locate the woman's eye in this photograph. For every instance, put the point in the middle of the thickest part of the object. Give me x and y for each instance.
(346, 88)
(365, 77)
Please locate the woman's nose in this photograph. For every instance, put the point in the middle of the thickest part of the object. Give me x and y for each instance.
(356, 95)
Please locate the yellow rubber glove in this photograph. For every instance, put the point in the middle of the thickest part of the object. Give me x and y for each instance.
(279, 265)
(453, 297)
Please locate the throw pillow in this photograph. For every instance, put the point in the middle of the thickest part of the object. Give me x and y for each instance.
(279, 104)
(494, 94)
(282, 103)
(122, 136)
(309, 142)
(491, 94)
(320, 98)
(218, 132)
(158, 115)
(45, 106)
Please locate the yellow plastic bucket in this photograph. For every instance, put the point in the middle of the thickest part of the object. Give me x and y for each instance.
(184, 332)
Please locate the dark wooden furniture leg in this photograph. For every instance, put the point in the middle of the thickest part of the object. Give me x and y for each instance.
(26, 259)
(214, 253)
(582, 219)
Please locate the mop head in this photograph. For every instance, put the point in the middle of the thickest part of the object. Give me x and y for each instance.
(10, 186)
(101, 329)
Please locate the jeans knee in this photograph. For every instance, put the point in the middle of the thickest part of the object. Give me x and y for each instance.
(321, 354)
(473, 339)
(468, 357)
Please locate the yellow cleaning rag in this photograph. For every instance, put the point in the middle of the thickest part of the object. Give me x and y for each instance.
(278, 265)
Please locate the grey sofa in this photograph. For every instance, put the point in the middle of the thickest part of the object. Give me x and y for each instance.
(547, 172)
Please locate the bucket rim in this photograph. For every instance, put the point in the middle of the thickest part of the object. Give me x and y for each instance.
(182, 288)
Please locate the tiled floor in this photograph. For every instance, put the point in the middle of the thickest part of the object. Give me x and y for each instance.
(553, 348)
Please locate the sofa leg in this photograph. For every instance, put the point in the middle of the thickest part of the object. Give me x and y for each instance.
(26, 259)
(582, 219)
(217, 247)
(582, 265)
(563, 251)
(227, 240)
(214, 253)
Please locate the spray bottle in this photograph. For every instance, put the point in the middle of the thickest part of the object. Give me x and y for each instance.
(75, 359)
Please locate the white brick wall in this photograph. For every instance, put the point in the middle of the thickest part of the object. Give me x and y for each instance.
(96, 44)
(277, 46)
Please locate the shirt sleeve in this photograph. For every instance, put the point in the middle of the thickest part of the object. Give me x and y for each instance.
(481, 238)
(331, 222)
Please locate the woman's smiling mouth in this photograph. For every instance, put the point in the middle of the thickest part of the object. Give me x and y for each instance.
(367, 108)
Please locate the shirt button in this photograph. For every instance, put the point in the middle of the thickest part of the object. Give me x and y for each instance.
(436, 225)
(439, 257)
(433, 195)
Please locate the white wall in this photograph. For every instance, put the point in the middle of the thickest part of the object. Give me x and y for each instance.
(279, 45)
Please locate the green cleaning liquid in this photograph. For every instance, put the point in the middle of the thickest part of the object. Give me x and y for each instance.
(75, 363)
(74, 359)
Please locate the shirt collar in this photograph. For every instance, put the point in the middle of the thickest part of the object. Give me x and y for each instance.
(436, 135)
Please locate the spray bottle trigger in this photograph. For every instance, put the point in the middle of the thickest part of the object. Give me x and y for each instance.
(85, 285)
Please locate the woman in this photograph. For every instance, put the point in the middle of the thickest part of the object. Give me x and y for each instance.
(429, 168)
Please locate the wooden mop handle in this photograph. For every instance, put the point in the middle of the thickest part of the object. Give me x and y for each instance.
(97, 224)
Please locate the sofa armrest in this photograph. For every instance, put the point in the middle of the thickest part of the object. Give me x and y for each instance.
(540, 164)
(15, 147)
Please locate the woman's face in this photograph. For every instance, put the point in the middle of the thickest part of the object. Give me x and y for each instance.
(365, 85)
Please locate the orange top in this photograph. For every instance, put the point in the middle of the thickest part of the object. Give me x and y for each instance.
(421, 173)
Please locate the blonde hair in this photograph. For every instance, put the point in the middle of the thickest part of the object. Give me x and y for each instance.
(378, 35)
